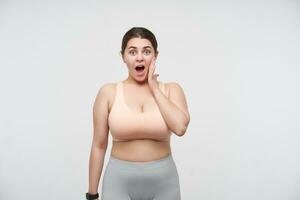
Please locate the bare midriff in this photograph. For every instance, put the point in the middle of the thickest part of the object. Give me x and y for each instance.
(141, 150)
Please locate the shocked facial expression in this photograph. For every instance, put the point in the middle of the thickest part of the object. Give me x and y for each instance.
(137, 56)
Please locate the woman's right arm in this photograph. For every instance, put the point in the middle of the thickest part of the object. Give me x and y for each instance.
(100, 138)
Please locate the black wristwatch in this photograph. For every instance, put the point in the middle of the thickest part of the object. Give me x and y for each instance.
(91, 196)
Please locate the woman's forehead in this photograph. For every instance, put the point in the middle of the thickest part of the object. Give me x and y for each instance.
(139, 43)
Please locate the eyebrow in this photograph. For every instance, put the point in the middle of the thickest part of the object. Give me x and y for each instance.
(136, 47)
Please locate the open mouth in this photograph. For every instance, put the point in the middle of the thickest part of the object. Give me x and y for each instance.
(140, 68)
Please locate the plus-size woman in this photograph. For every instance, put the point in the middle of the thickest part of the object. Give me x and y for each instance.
(141, 113)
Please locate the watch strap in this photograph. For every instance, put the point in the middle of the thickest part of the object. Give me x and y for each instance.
(91, 196)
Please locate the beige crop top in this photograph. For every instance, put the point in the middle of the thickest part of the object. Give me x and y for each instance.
(127, 124)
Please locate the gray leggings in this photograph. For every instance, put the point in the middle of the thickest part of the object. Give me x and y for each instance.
(151, 180)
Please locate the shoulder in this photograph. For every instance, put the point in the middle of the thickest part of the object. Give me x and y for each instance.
(105, 92)
(106, 89)
(173, 88)
(173, 85)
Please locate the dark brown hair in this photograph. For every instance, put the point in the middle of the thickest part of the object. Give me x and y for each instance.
(138, 32)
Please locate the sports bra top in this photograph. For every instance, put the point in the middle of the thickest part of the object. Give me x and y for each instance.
(126, 124)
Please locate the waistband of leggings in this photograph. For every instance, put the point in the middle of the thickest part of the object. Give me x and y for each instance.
(142, 165)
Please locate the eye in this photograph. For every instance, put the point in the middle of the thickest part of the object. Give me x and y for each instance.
(147, 52)
(131, 52)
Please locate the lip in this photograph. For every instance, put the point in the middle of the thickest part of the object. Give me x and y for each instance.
(140, 73)
(139, 65)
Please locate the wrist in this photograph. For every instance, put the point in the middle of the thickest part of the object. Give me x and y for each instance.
(92, 196)
(155, 91)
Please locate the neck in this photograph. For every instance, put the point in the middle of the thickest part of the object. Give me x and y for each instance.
(138, 83)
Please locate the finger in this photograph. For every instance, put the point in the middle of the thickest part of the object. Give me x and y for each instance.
(151, 71)
(153, 62)
(151, 67)
(153, 59)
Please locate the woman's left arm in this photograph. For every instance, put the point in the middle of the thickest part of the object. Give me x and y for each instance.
(174, 108)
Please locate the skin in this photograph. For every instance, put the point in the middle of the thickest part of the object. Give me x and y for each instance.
(172, 106)
(140, 51)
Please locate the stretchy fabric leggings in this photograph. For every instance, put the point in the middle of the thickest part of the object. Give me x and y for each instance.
(150, 180)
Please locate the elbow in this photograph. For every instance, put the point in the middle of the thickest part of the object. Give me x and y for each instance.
(100, 145)
(103, 146)
(181, 130)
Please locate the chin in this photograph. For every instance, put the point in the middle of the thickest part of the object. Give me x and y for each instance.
(141, 79)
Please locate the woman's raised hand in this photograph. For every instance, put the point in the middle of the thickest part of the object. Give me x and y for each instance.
(152, 78)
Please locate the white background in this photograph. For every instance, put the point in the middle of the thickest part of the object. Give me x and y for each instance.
(238, 63)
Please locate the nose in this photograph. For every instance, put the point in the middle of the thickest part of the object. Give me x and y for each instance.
(140, 56)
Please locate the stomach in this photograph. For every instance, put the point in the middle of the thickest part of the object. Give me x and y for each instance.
(141, 150)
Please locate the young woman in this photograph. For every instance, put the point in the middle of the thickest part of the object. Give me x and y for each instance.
(141, 113)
